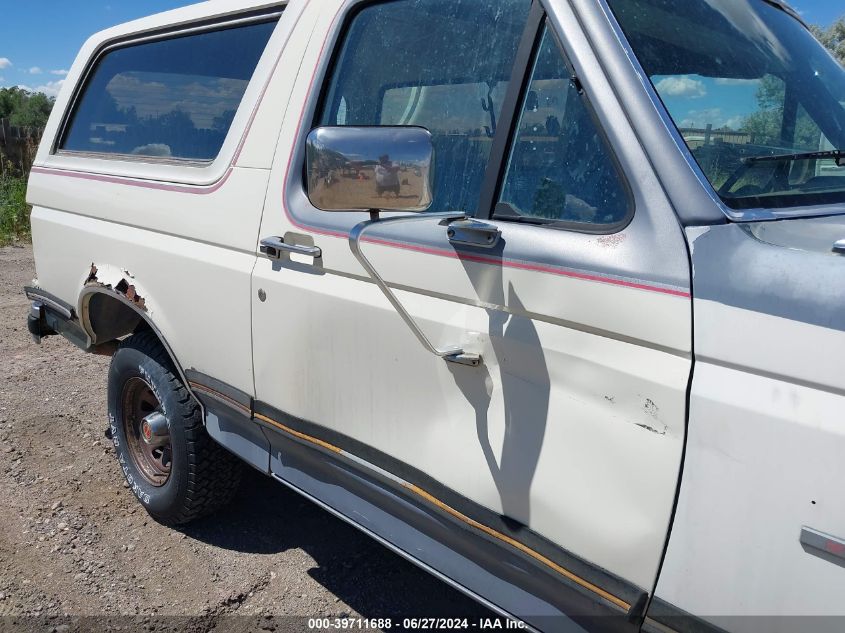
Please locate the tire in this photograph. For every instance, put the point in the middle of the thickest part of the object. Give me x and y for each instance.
(182, 474)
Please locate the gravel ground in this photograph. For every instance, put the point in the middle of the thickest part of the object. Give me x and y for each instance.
(74, 542)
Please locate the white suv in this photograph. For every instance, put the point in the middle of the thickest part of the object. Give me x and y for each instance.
(450, 269)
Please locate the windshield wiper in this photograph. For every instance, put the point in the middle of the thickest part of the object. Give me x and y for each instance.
(836, 154)
(780, 4)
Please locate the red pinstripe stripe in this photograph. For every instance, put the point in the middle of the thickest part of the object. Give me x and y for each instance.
(208, 189)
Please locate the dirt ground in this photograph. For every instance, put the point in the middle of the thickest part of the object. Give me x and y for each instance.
(75, 542)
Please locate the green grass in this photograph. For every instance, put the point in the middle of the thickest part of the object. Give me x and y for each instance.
(14, 211)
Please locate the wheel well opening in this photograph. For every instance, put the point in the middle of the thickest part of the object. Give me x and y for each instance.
(110, 319)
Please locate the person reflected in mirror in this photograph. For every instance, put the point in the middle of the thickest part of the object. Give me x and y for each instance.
(387, 176)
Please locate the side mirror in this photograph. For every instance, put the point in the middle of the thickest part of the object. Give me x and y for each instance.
(367, 168)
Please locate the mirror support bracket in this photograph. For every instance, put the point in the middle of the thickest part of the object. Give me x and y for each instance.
(356, 235)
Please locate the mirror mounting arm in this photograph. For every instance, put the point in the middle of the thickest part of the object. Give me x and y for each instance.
(356, 235)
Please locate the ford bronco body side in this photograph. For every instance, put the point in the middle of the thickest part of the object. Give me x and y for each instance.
(481, 279)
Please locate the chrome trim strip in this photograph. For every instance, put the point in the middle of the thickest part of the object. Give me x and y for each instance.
(831, 545)
(132, 158)
(599, 587)
(404, 554)
(45, 298)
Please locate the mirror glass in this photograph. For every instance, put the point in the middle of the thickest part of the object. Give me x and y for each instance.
(362, 168)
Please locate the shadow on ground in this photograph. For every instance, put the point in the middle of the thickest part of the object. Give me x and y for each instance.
(268, 518)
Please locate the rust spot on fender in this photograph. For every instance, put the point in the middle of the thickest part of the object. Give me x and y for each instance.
(92, 275)
(122, 287)
(128, 290)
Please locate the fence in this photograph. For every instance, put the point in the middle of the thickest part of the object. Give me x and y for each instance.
(17, 148)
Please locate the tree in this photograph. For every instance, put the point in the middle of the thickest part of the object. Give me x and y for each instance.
(764, 125)
(10, 101)
(24, 108)
(34, 111)
(833, 38)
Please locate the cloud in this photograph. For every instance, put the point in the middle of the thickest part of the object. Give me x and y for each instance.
(59, 73)
(681, 86)
(5, 62)
(203, 100)
(35, 70)
(51, 88)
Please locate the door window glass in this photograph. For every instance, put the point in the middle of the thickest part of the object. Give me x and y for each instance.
(560, 168)
(173, 98)
(440, 64)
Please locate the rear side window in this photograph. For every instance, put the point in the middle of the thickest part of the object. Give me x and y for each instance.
(440, 64)
(173, 98)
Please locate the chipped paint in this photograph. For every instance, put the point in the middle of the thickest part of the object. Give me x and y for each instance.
(652, 429)
(693, 234)
(650, 408)
(611, 241)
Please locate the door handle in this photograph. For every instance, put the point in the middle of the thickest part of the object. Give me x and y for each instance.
(471, 232)
(273, 247)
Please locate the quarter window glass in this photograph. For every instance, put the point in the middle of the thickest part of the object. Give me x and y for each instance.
(442, 65)
(172, 98)
(559, 168)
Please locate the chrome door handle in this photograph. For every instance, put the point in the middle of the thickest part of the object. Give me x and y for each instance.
(471, 232)
(839, 247)
(273, 247)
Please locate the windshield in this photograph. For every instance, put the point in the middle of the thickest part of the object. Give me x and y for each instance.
(743, 79)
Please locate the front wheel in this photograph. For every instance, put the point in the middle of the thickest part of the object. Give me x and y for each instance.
(168, 459)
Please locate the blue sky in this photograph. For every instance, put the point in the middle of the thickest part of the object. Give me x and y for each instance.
(40, 38)
(821, 12)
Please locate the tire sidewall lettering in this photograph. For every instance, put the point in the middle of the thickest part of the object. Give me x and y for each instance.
(143, 491)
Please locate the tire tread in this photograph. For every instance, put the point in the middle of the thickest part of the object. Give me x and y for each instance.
(214, 474)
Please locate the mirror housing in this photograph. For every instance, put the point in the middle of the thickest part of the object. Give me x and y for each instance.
(386, 168)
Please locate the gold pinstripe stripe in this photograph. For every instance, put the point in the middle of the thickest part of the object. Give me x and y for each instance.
(471, 522)
(301, 436)
(217, 394)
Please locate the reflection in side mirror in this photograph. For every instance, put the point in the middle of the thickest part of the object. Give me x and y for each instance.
(365, 168)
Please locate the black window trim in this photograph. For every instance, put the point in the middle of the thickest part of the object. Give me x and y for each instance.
(503, 143)
(208, 25)
(505, 132)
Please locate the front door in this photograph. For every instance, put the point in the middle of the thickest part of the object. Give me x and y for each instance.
(570, 430)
